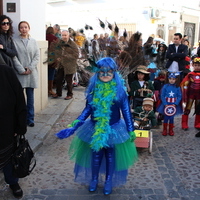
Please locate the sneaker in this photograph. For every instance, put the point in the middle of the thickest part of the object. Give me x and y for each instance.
(16, 190)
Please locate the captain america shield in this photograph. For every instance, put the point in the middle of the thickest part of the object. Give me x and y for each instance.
(170, 110)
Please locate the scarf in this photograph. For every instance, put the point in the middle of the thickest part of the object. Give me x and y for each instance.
(104, 94)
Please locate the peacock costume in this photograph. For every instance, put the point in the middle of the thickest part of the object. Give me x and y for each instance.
(103, 143)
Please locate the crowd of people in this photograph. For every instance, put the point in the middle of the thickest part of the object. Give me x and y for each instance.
(149, 83)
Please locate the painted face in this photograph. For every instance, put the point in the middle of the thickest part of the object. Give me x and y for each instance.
(106, 74)
(172, 80)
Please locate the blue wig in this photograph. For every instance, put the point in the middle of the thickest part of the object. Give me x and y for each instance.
(109, 63)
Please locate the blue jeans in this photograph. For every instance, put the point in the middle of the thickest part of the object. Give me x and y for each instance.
(30, 105)
(8, 176)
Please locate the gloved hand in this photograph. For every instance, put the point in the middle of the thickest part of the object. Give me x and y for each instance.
(65, 133)
(132, 136)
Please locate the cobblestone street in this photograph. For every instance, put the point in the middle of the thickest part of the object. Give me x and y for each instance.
(171, 172)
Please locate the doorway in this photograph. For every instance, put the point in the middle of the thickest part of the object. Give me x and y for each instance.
(1, 7)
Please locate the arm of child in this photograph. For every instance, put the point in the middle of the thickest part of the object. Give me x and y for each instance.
(179, 96)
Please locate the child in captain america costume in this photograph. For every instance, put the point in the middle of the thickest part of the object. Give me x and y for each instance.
(104, 143)
(191, 92)
(170, 103)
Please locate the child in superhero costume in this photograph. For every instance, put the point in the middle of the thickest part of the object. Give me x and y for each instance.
(170, 103)
(191, 92)
(104, 143)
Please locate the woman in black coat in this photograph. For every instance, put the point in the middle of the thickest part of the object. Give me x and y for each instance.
(7, 47)
(12, 122)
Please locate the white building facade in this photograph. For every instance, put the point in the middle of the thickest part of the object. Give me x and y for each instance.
(153, 17)
(32, 11)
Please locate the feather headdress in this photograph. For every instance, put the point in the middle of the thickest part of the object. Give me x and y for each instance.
(116, 29)
(101, 24)
(125, 33)
(109, 26)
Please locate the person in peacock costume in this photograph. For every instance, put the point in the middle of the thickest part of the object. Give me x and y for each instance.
(104, 143)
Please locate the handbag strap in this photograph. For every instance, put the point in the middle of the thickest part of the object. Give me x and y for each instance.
(33, 160)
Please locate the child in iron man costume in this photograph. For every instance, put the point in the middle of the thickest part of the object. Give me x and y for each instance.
(103, 143)
(191, 92)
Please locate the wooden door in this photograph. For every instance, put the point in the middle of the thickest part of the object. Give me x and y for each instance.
(1, 7)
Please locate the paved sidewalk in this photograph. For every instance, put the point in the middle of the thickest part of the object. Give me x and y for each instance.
(44, 122)
(171, 172)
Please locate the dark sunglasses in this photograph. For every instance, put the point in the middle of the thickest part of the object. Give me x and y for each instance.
(4, 23)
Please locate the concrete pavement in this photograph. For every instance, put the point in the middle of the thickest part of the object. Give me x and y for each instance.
(172, 172)
(44, 121)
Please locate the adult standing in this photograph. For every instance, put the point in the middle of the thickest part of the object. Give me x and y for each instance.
(57, 31)
(7, 48)
(95, 48)
(66, 53)
(12, 123)
(26, 66)
(148, 49)
(161, 56)
(50, 37)
(176, 54)
(102, 45)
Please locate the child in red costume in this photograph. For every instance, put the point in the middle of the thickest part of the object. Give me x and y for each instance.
(191, 92)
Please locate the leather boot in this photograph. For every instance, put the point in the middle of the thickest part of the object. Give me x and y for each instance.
(164, 133)
(96, 162)
(50, 88)
(110, 161)
(185, 122)
(171, 132)
(197, 121)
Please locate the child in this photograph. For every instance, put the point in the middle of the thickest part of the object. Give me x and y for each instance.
(158, 84)
(191, 92)
(143, 114)
(170, 103)
(141, 87)
(105, 137)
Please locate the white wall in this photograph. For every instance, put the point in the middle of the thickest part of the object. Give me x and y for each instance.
(32, 11)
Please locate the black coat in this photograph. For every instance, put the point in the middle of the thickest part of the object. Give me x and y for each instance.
(9, 50)
(12, 112)
(178, 56)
